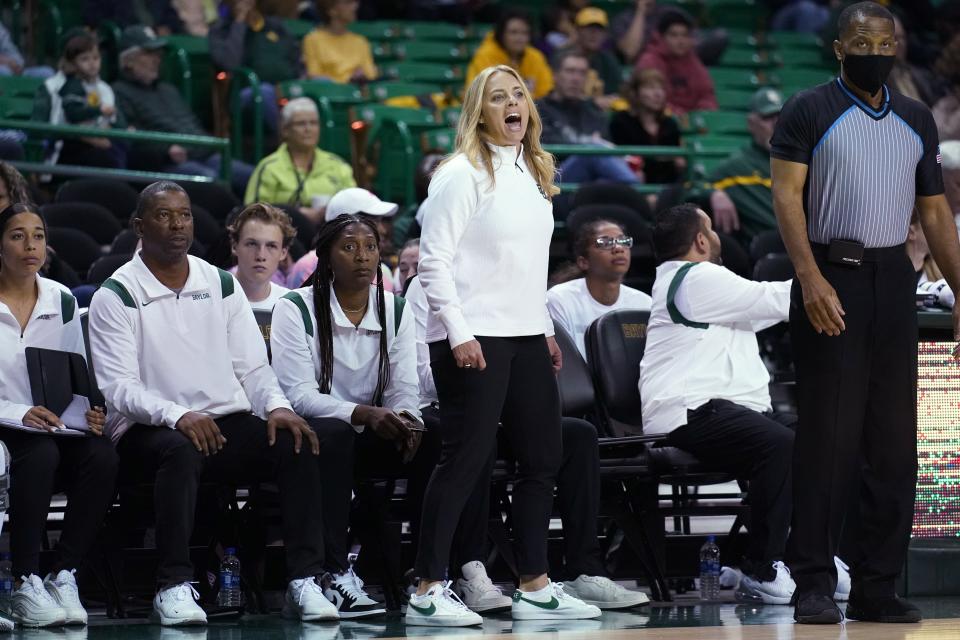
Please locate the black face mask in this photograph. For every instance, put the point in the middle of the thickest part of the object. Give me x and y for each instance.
(868, 72)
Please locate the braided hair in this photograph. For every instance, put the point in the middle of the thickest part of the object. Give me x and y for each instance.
(321, 280)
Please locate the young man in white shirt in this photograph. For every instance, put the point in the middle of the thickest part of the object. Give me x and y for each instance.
(703, 383)
(183, 367)
(260, 237)
(603, 255)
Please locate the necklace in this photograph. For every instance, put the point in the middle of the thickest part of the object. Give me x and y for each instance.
(363, 308)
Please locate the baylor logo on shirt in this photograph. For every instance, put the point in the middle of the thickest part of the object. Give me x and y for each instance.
(201, 296)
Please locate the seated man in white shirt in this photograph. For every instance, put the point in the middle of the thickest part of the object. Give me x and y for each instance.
(603, 255)
(578, 500)
(260, 236)
(702, 382)
(190, 395)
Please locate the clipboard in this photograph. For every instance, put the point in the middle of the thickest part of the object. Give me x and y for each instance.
(60, 381)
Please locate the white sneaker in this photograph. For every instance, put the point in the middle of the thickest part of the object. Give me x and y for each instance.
(32, 606)
(305, 601)
(6, 623)
(63, 589)
(478, 591)
(777, 591)
(550, 603)
(177, 606)
(730, 577)
(604, 593)
(842, 594)
(440, 607)
(345, 591)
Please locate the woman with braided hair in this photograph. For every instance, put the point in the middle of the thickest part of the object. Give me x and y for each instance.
(345, 355)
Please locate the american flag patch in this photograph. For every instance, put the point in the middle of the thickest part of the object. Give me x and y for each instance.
(939, 157)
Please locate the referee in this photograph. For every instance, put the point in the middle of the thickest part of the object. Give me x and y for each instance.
(850, 161)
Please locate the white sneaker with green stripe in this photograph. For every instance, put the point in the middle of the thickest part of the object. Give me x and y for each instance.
(550, 603)
(440, 607)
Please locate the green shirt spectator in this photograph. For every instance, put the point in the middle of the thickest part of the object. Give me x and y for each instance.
(298, 173)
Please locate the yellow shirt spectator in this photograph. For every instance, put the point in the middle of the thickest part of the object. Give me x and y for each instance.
(337, 56)
(276, 180)
(533, 66)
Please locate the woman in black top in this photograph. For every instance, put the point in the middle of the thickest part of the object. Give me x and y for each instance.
(647, 124)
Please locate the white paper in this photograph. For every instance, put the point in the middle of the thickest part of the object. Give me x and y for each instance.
(75, 415)
(19, 426)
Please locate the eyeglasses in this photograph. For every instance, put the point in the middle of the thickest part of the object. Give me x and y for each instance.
(608, 242)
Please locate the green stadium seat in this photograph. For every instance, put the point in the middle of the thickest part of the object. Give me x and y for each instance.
(433, 31)
(13, 108)
(734, 99)
(188, 65)
(376, 30)
(299, 28)
(375, 114)
(719, 122)
(444, 74)
(19, 86)
(432, 51)
(450, 116)
(441, 140)
(734, 14)
(733, 78)
(383, 51)
(749, 59)
(803, 57)
(317, 89)
(792, 80)
(794, 39)
(381, 91)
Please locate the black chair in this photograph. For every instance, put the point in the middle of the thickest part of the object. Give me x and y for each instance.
(212, 196)
(91, 218)
(775, 345)
(603, 193)
(577, 395)
(764, 243)
(206, 228)
(306, 230)
(125, 243)
(643, 265)
(773, 267)
(119, 197)
(104, 267)
(74, 247)
(735, 257)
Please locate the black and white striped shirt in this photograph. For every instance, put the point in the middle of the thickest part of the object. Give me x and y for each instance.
(866, 167)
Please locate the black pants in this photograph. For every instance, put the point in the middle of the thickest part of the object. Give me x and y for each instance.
(518, 388)
(856, 396)
(578, 499)
(345, 456)
(756, 447)
(85, 468)
(168, 459)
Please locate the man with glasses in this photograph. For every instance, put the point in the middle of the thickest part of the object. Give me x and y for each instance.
(603, 255)
(704, 386)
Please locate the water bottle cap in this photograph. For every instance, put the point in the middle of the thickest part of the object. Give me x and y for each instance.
(231, 551)
(711, 538)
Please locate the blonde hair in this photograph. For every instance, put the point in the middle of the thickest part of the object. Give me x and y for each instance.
(266, 214)
(472, 139)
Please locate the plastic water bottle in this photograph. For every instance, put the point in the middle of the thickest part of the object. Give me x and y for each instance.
(710, 570)
(231, 594)
(6, 583)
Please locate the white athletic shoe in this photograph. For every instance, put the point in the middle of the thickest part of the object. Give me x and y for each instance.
(842, 594)
(63, 589)
(440, 607)
(32, 606)
(478, 592)
(345, 591)
(777, 591)
(730, 577)
(604, 593)
(550, 603)
(177, 606)
(6, 623)
(305, 601)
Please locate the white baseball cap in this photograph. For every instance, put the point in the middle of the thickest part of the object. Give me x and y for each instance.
(356, 200)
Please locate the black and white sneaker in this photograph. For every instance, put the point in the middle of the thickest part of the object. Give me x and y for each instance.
(345, 591)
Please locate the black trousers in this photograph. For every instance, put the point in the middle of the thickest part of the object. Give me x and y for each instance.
(753, 446)
(856, 396)
(346, 456)
(578, 500)
(518, 388)
(168, 459)
(85, 468)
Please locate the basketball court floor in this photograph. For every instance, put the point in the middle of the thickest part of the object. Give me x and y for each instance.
(687, 618)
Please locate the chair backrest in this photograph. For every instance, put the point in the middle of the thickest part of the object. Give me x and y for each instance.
(613, 193)
(96, 397)
(119, 197)
(88, 217)
(577, 395)
(212, 196)
(104, 267)
(734, 256)
(264, 320)
(615, 344)
(764, 243)
(74, 247)
(773, 267)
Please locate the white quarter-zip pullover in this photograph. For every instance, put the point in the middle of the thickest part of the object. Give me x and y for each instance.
(419, 309)
(484, 250)
(702, 342)
(158, 354)
(356, 353)
(53, 324)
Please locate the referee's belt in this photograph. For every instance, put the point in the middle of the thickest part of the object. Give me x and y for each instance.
(870, 254)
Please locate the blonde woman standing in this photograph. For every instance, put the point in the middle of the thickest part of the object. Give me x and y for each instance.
(483, 266)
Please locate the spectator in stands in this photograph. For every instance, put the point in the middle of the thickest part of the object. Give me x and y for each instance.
(509, 44)
(946, 110)
(406, 264)
(605, 78)
(189, 391)
(909, 79)
(740, 198)
(635, 29)
(40, 313)
(569, 117)
(646, 123)
(603, 256)
(159, 15)
(150, 104)
(298, 173)
(12, 62)
(247, 38)
(558, 30)
(704, 314)
(260, 236)
(689, 86)
(85, 100)
(197, 17)
(332, 52)
(807, 16)
(350, 201)
(950, 150)
(345, 355)
(13, 187)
